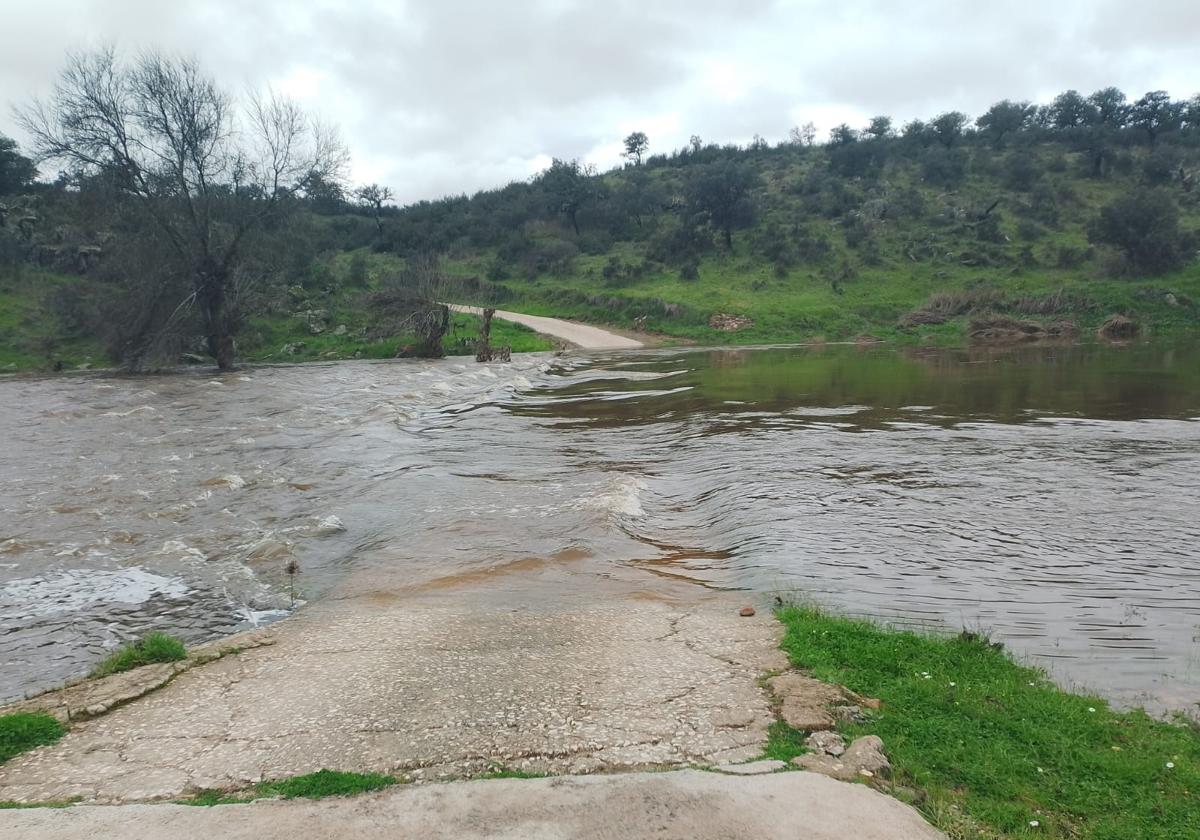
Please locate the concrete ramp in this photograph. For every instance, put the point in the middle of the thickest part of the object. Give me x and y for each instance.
(688, 805)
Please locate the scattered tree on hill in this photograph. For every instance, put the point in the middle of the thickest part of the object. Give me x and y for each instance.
(1112, 109)
(202, 172)
(17, 172)
(841, 135)
(1004, 118)
(880, 128)
(1155, 113)
(1191, 113)
(1144, 226)
(326, 196)
(721, 193)
(803, 135)
(948, 127)
(1070, 110)
(373, 197)
(571, 186)
(636, 145)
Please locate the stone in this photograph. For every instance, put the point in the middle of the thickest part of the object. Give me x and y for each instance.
(1118, 328)
(753, 768)
(342, 329)
(329, 526)
(863, 759)
(746, 612)
(804, 701)
(850, 714)
(826, 741)
(733, 718)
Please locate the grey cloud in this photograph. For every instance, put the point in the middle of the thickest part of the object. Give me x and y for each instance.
(448, 97)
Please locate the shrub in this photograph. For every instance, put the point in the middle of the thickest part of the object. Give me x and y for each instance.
(690, 270)
(1144, 226)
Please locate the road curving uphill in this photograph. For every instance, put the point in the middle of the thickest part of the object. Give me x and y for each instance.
(581, 335)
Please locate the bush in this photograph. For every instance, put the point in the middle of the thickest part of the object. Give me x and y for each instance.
(357, 274)
(26, 730)
(1020, 172)
(1070, 256)
(1143, 226)
(946, 168)
(690, 270)
(151, 648)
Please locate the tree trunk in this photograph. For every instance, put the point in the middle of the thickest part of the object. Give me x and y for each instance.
(574, 223)
(211, 289)
(483, 347)
(729, 240)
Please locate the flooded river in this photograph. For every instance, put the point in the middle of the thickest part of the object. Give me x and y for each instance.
(1048, 495)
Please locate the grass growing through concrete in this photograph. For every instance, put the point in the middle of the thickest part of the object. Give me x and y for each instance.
(25, 730)
(998, 750)
(783, 742)
(151, 648)
(317, 785)
(511, 773)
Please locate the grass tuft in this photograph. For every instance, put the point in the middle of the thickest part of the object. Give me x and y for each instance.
(326, 783)
(317, 785)
(151, 648)
(511, 773)
(25, 730)
(783, 742)
(999, 750)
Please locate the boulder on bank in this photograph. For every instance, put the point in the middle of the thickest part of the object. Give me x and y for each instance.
(1118, 328)
(725, 322)
(1004, 329)
(862, 759)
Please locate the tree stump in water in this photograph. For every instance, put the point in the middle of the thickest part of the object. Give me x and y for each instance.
(483, 347)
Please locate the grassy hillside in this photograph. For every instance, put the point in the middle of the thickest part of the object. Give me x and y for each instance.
(837, 256)
(934, 235)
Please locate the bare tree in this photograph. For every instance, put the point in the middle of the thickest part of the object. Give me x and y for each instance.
(206, 171)
(373, 197)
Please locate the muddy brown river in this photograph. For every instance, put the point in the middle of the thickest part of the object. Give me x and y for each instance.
(1050, 495)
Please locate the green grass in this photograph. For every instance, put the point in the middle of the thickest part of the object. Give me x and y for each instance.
(317, 785)
(996, 747)
(25, 730)
(9, 805)
(151, 648)
(783, 742)
(30, 338)
(511, 773)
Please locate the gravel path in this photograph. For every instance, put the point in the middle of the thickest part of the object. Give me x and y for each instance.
(581, 335)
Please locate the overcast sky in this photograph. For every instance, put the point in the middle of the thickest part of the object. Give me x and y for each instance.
(436, 97)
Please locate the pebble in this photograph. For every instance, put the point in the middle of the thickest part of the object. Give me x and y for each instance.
(746, 612)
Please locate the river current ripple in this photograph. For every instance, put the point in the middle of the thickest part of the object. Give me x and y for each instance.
(1048, 498)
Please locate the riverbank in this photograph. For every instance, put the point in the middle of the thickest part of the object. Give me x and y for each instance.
(733, 301)
(988, 748)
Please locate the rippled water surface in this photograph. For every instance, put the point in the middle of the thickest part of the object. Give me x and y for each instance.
(1050, 495)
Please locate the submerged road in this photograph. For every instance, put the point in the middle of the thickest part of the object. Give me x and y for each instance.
(581, 335)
